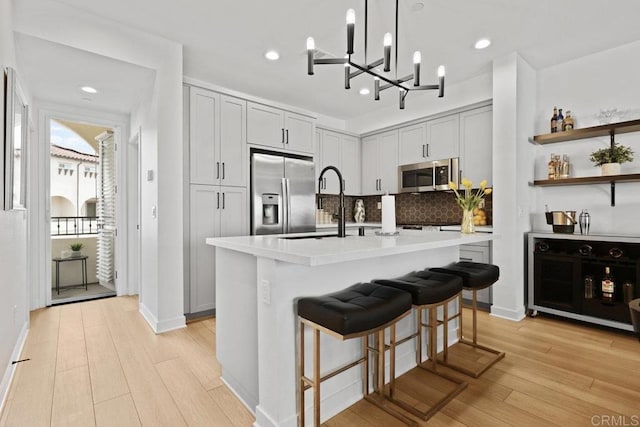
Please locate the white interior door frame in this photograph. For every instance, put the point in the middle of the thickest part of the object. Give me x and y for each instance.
(40, 212)
(133, 212)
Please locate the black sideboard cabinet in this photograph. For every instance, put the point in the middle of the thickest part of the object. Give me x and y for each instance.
(560, 266)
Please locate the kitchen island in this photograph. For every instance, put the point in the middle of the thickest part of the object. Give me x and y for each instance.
(259, 278)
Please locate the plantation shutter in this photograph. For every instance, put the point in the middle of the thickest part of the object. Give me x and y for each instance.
(106, 208)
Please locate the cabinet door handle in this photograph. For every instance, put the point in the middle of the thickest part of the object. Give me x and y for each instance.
(218, 197)
(377, 184)
(465, 259)
(287, 131)
(217, 170)
(283, 135)
(423, 154)
(344, 185)
(222, 170)
(427, 150)
(223, 200)
(324, 183)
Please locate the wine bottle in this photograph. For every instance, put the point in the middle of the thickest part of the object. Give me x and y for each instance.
(554, 120)
(564, 167)
(608, 286)
(560, 121)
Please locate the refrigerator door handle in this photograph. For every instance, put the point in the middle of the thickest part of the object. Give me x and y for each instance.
(288, 207)
(285, 203)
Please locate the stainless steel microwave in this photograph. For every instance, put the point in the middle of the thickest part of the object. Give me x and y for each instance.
(428, 176)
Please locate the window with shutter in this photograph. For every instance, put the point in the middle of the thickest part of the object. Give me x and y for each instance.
(106, 208)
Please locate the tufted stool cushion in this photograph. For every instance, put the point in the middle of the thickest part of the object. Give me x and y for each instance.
(358, 308)
(428, 288)
(476, 275)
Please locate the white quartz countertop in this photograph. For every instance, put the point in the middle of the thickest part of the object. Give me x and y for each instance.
(330, 250)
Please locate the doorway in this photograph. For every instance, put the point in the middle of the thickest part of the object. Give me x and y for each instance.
(82, 194)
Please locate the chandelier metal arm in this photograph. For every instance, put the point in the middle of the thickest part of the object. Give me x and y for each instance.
(370, 66)
(381, 77)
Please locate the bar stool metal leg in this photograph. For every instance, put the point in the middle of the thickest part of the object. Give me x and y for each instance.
(497, 354)
(431, 364)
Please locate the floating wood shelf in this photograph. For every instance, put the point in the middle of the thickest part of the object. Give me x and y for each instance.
(632, 177)
(590, 132)
(611, 179)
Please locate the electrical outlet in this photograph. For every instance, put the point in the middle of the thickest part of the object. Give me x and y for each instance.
(379, 205)
(266, 292)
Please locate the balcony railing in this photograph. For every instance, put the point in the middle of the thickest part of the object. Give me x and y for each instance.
(70, 225)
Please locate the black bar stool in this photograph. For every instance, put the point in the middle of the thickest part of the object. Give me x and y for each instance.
(356, 312)
(429, 291)
(475, 276)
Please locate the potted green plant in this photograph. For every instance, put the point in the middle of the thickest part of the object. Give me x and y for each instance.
(75, 249)
(610, 158)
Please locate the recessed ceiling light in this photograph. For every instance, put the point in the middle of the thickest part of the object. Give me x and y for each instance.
(88, 89)
(482, 43)
(364, 91)
(417, 6)
(272, 55)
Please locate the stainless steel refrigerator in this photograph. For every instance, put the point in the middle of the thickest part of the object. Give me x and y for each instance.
(282, 193)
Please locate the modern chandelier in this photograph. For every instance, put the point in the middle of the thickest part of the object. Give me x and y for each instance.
(400, 83)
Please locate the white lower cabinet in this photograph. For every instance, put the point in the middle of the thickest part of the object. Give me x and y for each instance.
(477, 252)
(214, 211)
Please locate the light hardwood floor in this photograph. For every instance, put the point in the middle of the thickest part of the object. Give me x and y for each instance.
(99, 363)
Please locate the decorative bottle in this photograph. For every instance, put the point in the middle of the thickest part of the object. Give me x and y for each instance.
(560, 121)
(564, 167)
(568, 122)
(554, 120)
(589, 291)
(551, 167)
(608, 286)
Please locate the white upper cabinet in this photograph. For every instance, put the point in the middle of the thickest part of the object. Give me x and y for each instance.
(476, 144)
(233, 148)
(443, 138)
(412, 146)
(342, 151)
(217, 142)
(204, 137)
(380, 163)
(331, 155)
(351, 165)
(280, 129)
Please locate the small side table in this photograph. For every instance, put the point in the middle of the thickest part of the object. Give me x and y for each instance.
(83, 268)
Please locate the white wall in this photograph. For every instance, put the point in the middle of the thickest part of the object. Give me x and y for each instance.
(162, 285)
(423, 104)
(584, 86)
(513, 105)
(13, 244)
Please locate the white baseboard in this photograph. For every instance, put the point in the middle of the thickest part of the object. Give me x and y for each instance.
(505, 313)
(164, 325)
(8, 373)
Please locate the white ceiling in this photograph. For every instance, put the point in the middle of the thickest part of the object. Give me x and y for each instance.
(224, 43)
(56, 72)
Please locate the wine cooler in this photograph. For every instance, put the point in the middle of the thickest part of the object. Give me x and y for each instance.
(566, 278)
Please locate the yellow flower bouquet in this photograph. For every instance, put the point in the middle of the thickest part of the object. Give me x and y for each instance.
(468, 200)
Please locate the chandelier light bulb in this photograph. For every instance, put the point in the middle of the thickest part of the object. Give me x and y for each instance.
(387, 39)
(417, 58)
(441, 71)
(311, 44)
(351, 16)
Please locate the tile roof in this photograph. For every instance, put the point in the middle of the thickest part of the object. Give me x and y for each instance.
(57, 151)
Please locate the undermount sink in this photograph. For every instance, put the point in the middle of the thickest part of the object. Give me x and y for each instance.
(311, 237)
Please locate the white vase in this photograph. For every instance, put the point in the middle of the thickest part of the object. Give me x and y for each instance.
(76, 254)
(358, 211)
(610, 169)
